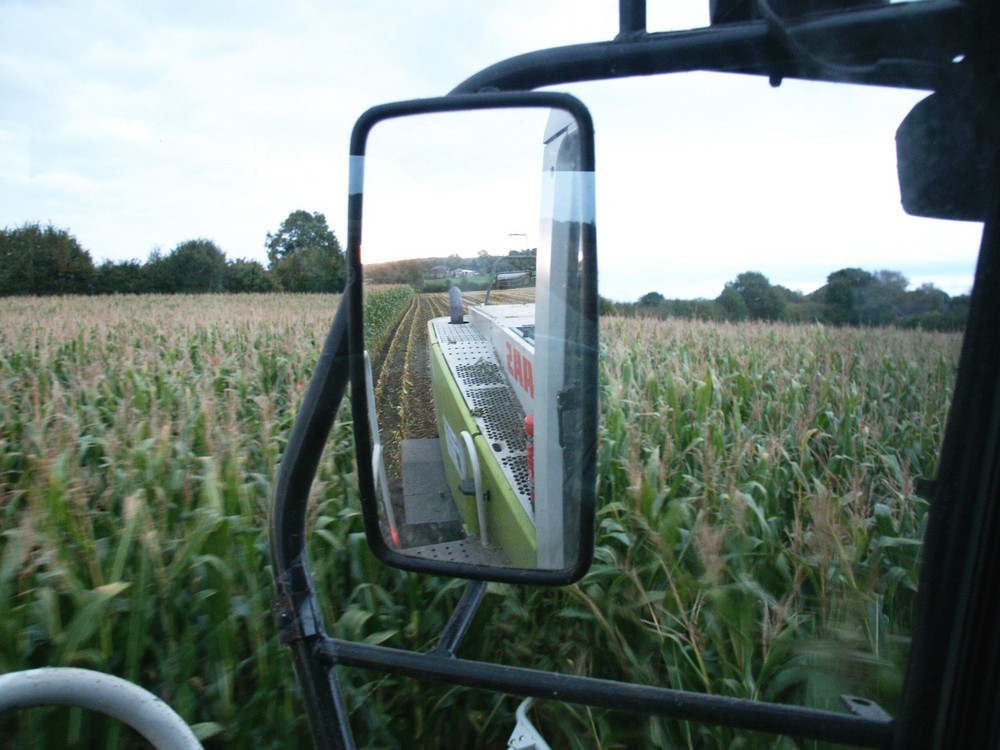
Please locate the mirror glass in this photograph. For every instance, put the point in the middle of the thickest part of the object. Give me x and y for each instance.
(473, 259)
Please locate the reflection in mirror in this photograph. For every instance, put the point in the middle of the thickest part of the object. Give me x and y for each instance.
(471, 251)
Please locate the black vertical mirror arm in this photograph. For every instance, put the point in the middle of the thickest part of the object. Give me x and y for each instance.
(296, 608)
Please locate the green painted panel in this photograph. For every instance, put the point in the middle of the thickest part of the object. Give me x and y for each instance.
(508, 525)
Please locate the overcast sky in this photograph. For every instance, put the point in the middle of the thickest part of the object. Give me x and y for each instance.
(137, 125)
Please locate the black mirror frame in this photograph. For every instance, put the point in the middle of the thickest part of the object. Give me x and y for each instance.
(356, 343)
(942, 172)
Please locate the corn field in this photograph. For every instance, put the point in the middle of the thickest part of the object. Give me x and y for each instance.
(758, 528)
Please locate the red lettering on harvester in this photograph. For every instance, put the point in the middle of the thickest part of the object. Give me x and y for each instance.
(520, 369)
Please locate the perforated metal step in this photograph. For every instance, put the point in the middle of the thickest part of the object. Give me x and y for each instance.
(430, 513)
(484, 387)
(469, 551)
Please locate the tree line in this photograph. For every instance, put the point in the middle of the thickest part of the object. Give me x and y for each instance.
(437, 274)
(851, 296)
(303, 256)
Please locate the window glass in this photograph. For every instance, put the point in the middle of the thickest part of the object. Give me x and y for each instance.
(779, 344)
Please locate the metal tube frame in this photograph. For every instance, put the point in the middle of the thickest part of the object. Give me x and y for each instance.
(912, 45)
(907, 45)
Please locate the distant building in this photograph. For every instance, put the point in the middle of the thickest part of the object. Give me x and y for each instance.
(440, 272)
(460, 272)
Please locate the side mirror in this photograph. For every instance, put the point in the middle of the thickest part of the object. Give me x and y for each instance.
(473, 334)
(942, 174)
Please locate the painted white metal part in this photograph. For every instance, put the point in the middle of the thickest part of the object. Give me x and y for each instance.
(96, 691)
(550, 345)
(525, 736)
(501, 324)
(477, 478)
(378, 465)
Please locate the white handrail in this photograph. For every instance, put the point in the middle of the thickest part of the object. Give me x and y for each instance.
(378, 464)
(477, 479)
(105, 693)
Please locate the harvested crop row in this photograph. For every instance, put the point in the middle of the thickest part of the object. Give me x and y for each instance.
(384, 310)
(417, 419)
(389, 389)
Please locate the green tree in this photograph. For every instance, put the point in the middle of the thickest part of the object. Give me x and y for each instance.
(692, 309)
(845, 295)
(193, 266)
(958, 312)
(606, 306)
(893, 282)
(156, 273)
(882, 300)
(120, 277)
(932, 309)
(484, 262)
(731, 304)
(248, 276)
(926, 298)
(798, 308)
(762, 301)
(305, 256)
(37, 260)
